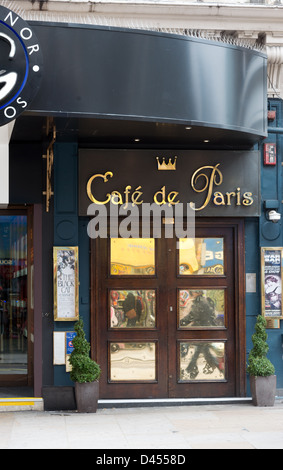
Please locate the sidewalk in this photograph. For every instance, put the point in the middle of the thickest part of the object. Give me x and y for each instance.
(238, 426)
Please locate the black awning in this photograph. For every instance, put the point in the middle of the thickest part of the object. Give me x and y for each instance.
(113, 74)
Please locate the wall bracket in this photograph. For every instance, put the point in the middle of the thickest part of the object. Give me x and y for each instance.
(51, 132)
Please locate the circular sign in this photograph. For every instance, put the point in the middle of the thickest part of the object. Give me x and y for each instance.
(21, 65)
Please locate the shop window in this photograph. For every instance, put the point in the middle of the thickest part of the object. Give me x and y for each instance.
(13, 295)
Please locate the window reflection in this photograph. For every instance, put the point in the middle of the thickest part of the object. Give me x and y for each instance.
(202, 361)
(201, 308)
(132, 256)
(132, 308)
(201, 256)
(132, 361)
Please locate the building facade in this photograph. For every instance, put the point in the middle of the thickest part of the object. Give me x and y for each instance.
(141, 156)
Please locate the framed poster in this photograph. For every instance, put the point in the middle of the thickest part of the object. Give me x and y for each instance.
(66, 283)
(70, 335)
(271, 282)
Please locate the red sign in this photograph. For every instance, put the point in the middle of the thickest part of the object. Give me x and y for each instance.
(269, 157)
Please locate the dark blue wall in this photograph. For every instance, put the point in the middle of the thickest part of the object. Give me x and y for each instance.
(253, 302)
(65, 220)
(269, 235)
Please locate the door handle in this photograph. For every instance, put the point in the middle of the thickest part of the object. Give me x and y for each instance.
(171, 308)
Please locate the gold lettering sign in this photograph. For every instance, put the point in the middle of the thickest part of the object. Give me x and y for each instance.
(208, 176)
(116, 197)
(214, 177)
(209, 181)
(160, 197)
(89, 191)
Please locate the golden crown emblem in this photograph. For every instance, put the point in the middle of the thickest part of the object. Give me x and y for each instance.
(166, 166)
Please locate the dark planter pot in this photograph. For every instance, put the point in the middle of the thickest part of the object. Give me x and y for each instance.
(87, 396)
(263, 390)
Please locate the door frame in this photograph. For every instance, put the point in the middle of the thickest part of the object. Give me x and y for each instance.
(237, 226)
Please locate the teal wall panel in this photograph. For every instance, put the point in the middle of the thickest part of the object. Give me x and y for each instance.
(270, 234)
(65, 221)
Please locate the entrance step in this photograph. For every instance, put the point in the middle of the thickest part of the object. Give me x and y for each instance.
(21, 404)
(128, 403)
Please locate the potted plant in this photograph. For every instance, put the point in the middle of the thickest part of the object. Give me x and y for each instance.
(85, 372)
(261, 370)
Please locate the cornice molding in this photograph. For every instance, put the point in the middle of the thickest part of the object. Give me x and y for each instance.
(274, 70)
(179, 14)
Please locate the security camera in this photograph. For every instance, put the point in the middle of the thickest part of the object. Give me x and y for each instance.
(274, 216)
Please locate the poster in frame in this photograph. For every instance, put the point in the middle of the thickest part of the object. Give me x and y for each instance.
(66, 283)
(271, 282)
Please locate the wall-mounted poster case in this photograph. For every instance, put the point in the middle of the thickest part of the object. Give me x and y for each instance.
(271, 282)
(66, 283)
(63, 347)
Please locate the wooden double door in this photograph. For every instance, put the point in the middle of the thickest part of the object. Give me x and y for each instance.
(168, 315)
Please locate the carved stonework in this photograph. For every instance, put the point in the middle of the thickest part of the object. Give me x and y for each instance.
(274, 68)
(248, 23)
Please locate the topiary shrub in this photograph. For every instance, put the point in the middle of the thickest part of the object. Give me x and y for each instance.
(84, 369)
(259, 365)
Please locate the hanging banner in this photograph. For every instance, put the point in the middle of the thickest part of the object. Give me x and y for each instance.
(271, 278)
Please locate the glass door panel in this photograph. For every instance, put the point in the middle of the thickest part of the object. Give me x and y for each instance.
(201, 256)
(132, 362)
(201, 308)
(132, 256)
(132, 308)
(202, 361)
(13, 295)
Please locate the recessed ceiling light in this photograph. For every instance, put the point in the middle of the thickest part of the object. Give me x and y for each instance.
(206, 140)
(137, 140)
(188, 128)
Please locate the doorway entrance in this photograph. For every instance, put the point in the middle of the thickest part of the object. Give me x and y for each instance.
(167, 314)
(16, 319)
